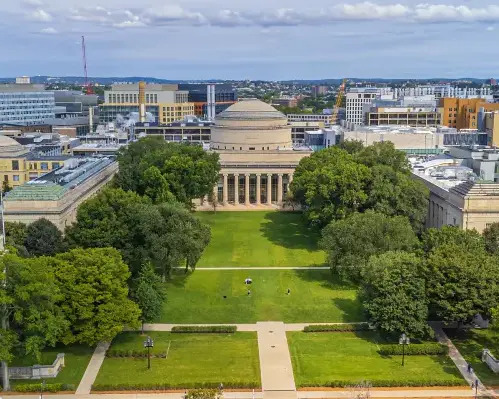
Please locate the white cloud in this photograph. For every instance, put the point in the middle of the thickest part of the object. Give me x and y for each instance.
(451, 13)
(39, 15)
(368, 10)
(49, 31)
(173, 14)
(490, 28)
(33, 3)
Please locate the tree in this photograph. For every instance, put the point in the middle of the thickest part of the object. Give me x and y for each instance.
(43, 238)
(93, 284)
(394, 294)
(433, 238)
(395, 193)
(149, 295)
(330, 185)
(351, 146)
(187, 171)
(384, 153)
(15, 236)
(491, 238)
(349, 243)
(461, 282)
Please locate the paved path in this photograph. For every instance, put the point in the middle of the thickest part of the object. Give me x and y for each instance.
(456, 357)
(275, 361)
(240, 327)
(92, 369)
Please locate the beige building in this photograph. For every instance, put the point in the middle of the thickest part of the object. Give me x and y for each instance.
(257, 157)
(491, 127)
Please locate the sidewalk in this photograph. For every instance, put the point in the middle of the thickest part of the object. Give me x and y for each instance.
(92, 369)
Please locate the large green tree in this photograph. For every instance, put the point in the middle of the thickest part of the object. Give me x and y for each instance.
(149, 294)
(384, 153)
(395, 193)
(450, 235)
(330, 185)
(351, 146)
(15, 235)
(461, 282)
(43, 238)
(350, 242)
(491, 238)
(394, 295)
(93, 285)
(163, 171)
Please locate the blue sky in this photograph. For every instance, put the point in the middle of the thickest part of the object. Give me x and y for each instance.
(252, 39)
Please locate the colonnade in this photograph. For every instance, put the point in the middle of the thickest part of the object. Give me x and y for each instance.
(252, 188)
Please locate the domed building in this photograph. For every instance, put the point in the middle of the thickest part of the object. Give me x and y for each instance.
(257, 156)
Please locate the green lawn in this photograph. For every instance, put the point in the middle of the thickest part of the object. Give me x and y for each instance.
(260, 239)
(319, 358)
(470, 344)
(315, 297)
(192, 359)
(76, 360)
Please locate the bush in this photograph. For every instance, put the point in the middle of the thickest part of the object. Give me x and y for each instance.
(133, 353)
(337, 327)
(46, 388)
(414, 349)
(203, 394)
(205, 329)
(389, 383)
(168, 386)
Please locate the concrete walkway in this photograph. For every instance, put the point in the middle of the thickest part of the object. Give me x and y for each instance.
(275, 361)
(456, 357)
(92, 369)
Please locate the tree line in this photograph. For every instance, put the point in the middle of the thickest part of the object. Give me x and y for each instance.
(106, 271)
(372, 214)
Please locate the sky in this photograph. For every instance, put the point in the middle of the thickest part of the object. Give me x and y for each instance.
(251, 39)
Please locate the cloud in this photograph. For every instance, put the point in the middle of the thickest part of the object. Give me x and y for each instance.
(49, 31)
(39, 15)
(361, 11)
(490, 28)
(33, 3)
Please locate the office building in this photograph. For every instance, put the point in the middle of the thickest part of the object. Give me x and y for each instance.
(190, 130)
(319, 91)
(407, 111)
(225, 96)
(491, 127)
(25, 104)
(463, 113)
(57, 195)
(357, 98)
(164, 103)
(75, 104)
(290, 102)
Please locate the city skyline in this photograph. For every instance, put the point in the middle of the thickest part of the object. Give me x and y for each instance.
(187, 39)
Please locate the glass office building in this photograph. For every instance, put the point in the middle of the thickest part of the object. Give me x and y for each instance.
(25, 104)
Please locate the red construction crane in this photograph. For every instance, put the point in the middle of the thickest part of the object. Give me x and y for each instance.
(88, 86)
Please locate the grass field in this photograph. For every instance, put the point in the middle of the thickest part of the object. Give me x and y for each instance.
(192, 359)
(260, 239)
(76, 358)
(351, 357)
(470, 344)
(315, 297)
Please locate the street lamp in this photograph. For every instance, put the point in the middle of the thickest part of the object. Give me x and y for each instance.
(148, 343)
(404, 340)
(42, 385)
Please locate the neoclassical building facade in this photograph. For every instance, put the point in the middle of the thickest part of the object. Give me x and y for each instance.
(257, 158)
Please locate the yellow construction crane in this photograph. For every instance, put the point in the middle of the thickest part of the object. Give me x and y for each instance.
(339, 100)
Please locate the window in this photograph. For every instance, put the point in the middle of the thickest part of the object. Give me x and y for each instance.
(252, 148)
(44, 165)
(5, 177)
(15, 177)
(15, 165)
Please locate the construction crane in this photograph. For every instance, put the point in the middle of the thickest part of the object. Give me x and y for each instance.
(88, 86)
(339, 101)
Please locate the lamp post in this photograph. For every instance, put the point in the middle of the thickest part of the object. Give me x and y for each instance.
(42, 385)
(404, 340)
(148, 343)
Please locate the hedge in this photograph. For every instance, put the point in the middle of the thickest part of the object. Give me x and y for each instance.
(203, 394)
(414, 349)
(169, 386)
(133, 353)
(46, 387)
(388, 383)
(205, 329)
(337, 327)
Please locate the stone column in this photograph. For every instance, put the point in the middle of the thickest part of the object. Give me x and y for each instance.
(258, 188)
(290, 178)
(215, 193)
(226, 189)
(246, 189)
(236, 188)
(269, 188)
(279, 188)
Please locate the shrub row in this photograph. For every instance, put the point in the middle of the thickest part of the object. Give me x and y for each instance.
(414, 349)
(46, 388)
(168, 386)
(203, 394)
(133, 353)
(389, 383)
(204, 329)
(337, 327)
